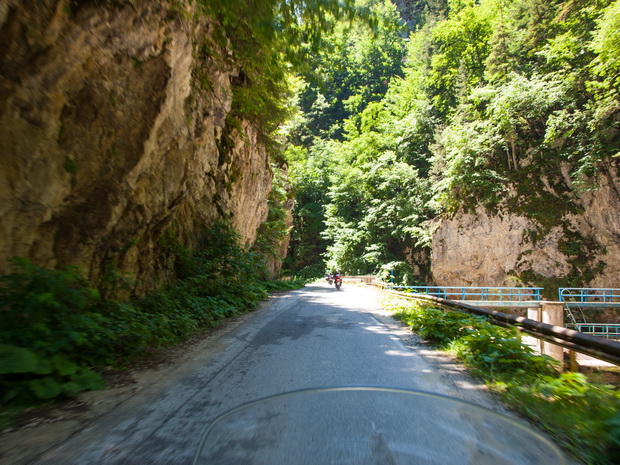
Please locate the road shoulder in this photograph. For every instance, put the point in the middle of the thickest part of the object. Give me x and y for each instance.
(453, 373)
(41, 429)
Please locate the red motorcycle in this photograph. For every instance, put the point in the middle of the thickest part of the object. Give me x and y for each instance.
(338, 280)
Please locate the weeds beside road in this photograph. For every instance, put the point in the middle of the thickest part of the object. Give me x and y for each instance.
(582, 416)
(59, 332)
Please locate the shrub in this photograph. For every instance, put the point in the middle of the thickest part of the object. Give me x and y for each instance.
(50, 334)
(56, 327)
(582, 416)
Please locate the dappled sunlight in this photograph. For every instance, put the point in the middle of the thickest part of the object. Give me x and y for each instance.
(400, 353)
(377, 329)
(390, 353)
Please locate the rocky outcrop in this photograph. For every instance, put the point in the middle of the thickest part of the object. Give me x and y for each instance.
(481, 249)
(492, 249)
(114, 127)
(601, 221)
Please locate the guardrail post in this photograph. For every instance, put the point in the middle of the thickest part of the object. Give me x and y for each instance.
(553, 314)
(535, 313)
(574, 366)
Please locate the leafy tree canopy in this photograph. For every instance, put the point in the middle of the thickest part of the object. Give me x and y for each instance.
(486, 103)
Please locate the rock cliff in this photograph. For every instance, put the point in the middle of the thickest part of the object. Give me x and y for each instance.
(506, 249)
(114, 127)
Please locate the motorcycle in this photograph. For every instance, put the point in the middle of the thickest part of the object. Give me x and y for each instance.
(370, 426)
(338, 281)
(330, 279)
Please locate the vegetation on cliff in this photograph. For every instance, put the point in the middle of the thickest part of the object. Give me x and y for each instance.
(56, 326)
(511, 105)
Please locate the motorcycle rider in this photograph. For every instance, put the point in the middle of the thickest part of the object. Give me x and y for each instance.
(337, 279)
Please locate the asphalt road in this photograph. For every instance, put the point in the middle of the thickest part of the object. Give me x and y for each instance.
(313, 337)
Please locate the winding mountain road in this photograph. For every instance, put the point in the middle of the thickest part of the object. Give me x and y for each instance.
(312, 337)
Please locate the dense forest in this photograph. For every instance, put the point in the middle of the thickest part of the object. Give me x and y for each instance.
(441, 107)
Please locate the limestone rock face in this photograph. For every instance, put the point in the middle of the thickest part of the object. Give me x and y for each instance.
(113, 128)
(485, 249)
(601, 220)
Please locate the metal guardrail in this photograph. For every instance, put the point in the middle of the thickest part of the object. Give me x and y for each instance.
(589, 297)
(609, 331)
(489, 295)
(597, 347)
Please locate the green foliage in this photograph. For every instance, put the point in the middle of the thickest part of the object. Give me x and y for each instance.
(494, 351)
(491, 349)
(309, 175)
(377, 203)
(358, 153)
(46, 307)
(48, 329)
(352, 69)
(534, 114)
(582, 414)
(268, 37)
(606, 41)
(491, 138)
(275, 229)
(220, 272)
(492, 104)
(291, 24)
(56, 327)
(459, 48)
(583, 417)
(286, 285)
(442, 327)
(17, 360)
(400, 271)
(309, 273)
(468, 177)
